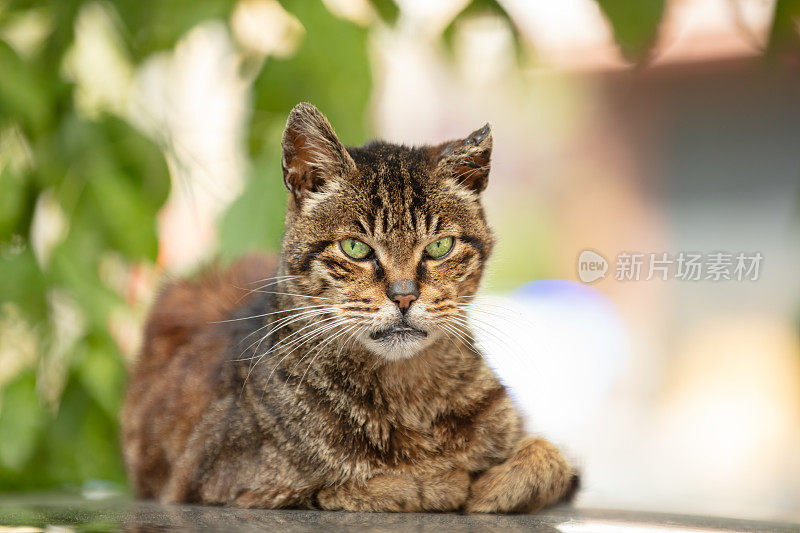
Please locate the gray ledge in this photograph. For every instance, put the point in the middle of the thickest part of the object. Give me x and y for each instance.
(38, 512)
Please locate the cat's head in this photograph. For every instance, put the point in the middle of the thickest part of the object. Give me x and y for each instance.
(393, 240)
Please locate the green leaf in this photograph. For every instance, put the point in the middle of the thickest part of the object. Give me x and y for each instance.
(331, 73)
(159, 25)
(23, 94)
(111, 181)
(129, 225)
(76, 270)
(22, 282)
(123, 181)
(255, 219)
(477, 8)
(14, 204)
(783, 34)
(334, 75)
(22, 419)
(387, 10)
(102, 374)
(635, 25)
(81, 443)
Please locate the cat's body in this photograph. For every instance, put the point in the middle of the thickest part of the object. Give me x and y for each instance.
(341, 382)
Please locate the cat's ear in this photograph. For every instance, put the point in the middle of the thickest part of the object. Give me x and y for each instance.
(466, 160)
(312, 153)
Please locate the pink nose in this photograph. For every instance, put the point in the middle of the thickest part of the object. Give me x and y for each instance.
(403, 292)
(404, 302)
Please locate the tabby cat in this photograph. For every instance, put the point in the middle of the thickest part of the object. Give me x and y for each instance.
(342, 375)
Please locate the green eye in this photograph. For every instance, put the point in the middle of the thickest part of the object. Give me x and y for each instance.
(355, 249)
(439, 248)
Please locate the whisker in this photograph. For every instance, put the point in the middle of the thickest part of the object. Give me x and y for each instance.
(473, 321)
(293, 294)
(318, 349)
(453, 340)
(320, 329)
(461, 335)
(248, 292)
(378, 359)
(462, 323)
(270, 284)
(283, 342)
(267, 314)
(306, 313)
(283, 322)
(352, 336)
(285, 276)
(254, 360)
(481, 308)
(306, 339)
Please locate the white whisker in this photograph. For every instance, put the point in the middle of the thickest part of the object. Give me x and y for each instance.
(267, 314)
(311, 335)
(318, 349)
(293, 294)
(283, 322)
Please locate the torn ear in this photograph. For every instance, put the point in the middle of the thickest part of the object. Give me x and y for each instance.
(467, 160)
(312, 154)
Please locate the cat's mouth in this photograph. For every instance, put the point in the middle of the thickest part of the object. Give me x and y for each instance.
(398, 332)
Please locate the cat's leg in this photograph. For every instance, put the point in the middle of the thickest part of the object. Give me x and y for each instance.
(535, 475)
(399, 492)
(274, 497)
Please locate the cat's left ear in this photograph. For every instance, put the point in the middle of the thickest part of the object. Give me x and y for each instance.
(312, 153)
(466, 160)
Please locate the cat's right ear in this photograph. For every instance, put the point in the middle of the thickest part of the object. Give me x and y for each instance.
(466, 160)
(312, 153)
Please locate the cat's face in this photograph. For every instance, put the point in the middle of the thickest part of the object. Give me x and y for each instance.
(392, 240)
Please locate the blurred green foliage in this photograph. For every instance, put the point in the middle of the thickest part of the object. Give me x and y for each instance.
(783, 35)
(635, 25)
(110, 181)
(335, 76)
(486, 8)
(62, 373)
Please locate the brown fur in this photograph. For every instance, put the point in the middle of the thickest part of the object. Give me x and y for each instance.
(247, 395)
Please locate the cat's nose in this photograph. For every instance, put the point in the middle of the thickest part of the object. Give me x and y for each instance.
(403, 292)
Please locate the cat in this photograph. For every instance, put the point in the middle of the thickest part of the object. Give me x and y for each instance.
(343, 374)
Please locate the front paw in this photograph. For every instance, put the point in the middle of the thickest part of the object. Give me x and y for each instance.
(394, 492)
(536, 475)
(382, 493)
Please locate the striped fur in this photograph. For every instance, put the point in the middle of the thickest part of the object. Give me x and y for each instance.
(265, 386)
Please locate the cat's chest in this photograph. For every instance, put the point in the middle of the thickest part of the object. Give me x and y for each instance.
(437, 429)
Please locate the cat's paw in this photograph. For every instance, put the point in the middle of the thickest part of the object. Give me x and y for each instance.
(446, 491)
(399, 492)
(382, 493)
(534, 476)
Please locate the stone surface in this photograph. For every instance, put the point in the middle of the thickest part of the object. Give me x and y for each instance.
(40, 512)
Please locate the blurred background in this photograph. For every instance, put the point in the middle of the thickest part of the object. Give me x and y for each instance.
(140, 141)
